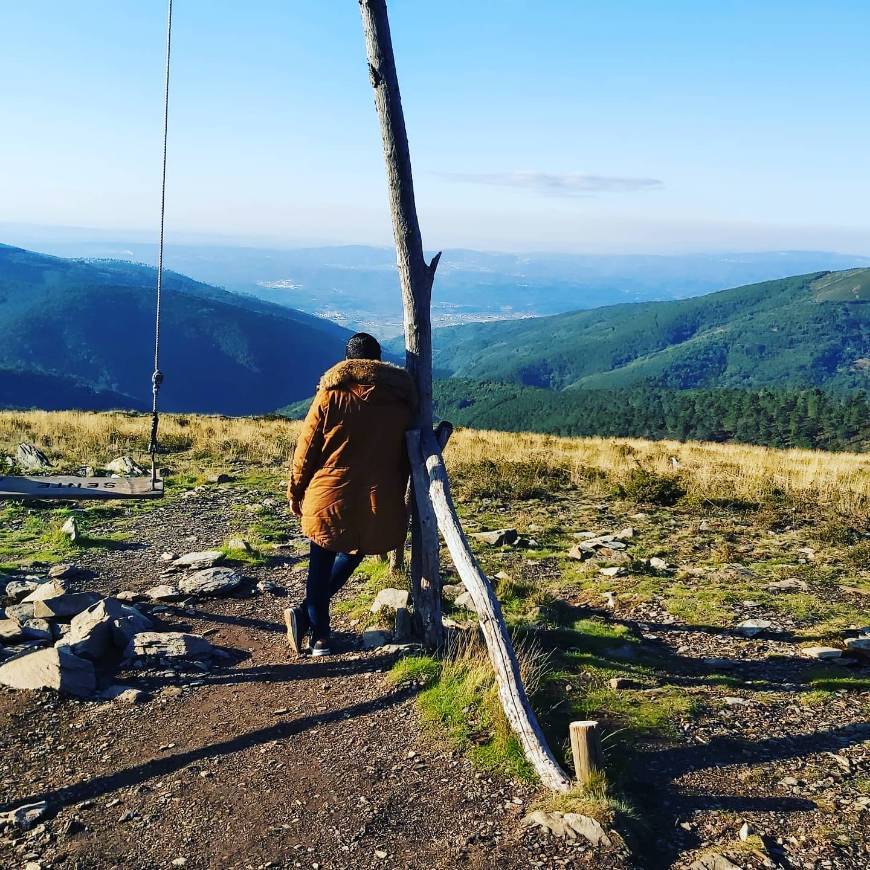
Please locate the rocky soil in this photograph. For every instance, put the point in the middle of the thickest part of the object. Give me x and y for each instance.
(261, 760)
(258, 759)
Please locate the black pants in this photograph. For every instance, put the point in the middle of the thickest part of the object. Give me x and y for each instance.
(327, 573)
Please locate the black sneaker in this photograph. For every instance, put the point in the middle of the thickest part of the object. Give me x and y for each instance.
(297, 627)
(321, 648)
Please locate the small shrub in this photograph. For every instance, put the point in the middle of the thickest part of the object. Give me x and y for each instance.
(520, 481)
(650, 488)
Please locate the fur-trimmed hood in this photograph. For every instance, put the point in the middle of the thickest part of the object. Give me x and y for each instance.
(370, 372)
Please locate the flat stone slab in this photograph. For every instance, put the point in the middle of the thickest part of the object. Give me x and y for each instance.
(822, 653)
(169, 645)
(64, 606)
(792, 584)
(44, 591)
(25, 816)
(199, 560)
(570, 825)
(50, 669)
(210, 581)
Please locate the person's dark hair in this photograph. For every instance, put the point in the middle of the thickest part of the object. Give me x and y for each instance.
(362, 346)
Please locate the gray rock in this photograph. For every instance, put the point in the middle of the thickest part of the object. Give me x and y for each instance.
(50, 669)
(581, 552)
(239, 544)
(105, 624)
(622, 683)
(163, 592)
(497, 537)
(391, 599)
(37, 629)
(616, 571)
(199, 560)
(18, 590)
(269, 586)
(210, 581)
(219, 478)
(123, 694)
(792, 584)
(25, 816)
(451, 590)
(465, 601)
(859, 646)
(64, 571)
(753, 627)
(570, 825)
(31, 458)
(625, 534)
(64, 606)
(821, 653)
(125, 466)
(658, 564)
(10, 630)
(44, 591)
(176, 645)
(372, 639)
(20, 612)
(71, 529)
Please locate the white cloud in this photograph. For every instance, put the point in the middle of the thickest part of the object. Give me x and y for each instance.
(558, 183)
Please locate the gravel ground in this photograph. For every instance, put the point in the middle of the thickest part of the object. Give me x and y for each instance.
(268, 761)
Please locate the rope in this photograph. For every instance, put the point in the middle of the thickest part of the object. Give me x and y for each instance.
(157, 375)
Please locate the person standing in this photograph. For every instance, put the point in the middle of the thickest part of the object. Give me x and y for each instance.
(348, 480)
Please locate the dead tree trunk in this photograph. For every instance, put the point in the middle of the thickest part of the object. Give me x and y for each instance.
(416, 277)
(429, 467)
(432, 503)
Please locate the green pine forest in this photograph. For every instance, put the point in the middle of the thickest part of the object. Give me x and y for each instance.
(809, 418)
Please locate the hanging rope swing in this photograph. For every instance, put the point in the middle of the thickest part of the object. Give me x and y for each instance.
(68, 487)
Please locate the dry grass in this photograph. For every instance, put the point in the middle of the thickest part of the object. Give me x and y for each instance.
(707, 471)
(728, 472)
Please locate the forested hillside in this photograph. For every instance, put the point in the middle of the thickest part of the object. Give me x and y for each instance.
(776, 418)
(809, 330)
(80, 334)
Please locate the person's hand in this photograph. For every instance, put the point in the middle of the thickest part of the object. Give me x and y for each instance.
(295, 506)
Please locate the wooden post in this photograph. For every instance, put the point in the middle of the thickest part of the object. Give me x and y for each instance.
(586, 749)
(427, 463)
(415, 277)
(396, 558)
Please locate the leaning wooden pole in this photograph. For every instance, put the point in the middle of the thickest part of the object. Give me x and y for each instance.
(416, 277)
(428, 466)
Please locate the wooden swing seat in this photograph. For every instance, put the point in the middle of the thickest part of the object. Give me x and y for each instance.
(76, 488)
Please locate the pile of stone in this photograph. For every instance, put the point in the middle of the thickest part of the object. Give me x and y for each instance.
(51, 637)
(605, 545)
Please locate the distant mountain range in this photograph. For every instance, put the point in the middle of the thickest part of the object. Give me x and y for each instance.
(809, 330)
(77, 333)
(357, 286)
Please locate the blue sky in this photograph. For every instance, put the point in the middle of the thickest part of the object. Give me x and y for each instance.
(578, 126)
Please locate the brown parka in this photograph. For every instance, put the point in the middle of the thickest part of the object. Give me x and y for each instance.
(350, 468)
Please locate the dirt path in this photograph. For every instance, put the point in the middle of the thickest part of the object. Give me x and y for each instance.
(266, 762)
